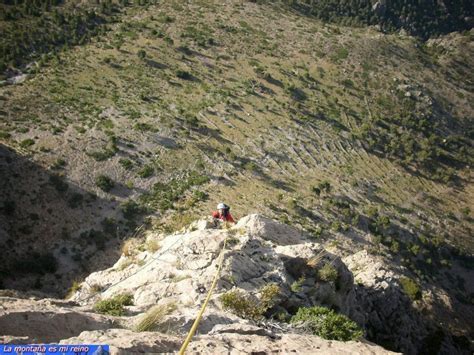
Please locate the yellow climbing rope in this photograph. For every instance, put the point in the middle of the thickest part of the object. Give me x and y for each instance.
(204, 305)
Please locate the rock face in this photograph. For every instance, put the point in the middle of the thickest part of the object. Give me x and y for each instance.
(381, 305)
(47, 320)
(259, 252)
(235, 341)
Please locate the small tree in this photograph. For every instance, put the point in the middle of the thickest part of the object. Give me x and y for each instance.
(324, 185)
(131, 209)
(411, 288)
(141, 54)
(104, 183)
(183, 74)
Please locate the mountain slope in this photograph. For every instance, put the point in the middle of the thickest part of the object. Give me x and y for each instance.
(360, 138)
(419, 18)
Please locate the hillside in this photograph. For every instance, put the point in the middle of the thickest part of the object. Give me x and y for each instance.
(423, 18)
(152, 113)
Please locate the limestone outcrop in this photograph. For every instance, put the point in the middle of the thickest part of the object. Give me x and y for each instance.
(169, 276)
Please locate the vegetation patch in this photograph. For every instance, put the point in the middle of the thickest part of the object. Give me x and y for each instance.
(102, 155)
(327, 324)
(104, 182)
(411, 288)
(76, 286)
(114, 306)
(421, 18)
(126, 163)
(163, 195)
(328, 273)
(249, 307)
(27, 143)
(153, 317)
(146, 171)
(131, 209)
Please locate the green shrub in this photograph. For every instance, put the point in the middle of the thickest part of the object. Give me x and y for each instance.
(27, 143)
(336, 226)
(340, 54)
(395, 247)
(141, 54)
(177, 223)
(59, 164)
(296, 93)
(415, 249)
(183, 74)
(322, 186)
(328, 324)
(131, 209)
(104, 182)
(296, 286)
(328, 273)
(144, 127)
(383, 222)
(248, 307)
(240, 304)
(200, 195)
(411, 288)
(348, 83)
(146, 171)
(268, 295)
(250, 166)
(4, 135)
(316, 190)
(126, 163)
(114, 306)
(95, 288)
(163, 18)
(101, 155)
(466, 211)
(372, 211)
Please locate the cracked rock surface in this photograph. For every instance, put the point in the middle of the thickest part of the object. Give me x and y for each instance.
(259, 252)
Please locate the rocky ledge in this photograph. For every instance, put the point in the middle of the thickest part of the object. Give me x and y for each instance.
(163, 280)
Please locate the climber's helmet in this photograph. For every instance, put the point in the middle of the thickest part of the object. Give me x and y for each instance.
(221, 206)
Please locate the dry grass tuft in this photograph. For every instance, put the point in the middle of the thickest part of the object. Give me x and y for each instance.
(152, 318)
(130, 247)
(152, 245)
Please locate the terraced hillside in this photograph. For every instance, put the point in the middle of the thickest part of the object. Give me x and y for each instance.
(362, 139)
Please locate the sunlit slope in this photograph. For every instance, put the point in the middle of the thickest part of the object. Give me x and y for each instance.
(362, 139)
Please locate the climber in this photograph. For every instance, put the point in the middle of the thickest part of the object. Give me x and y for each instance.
(223, 213)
